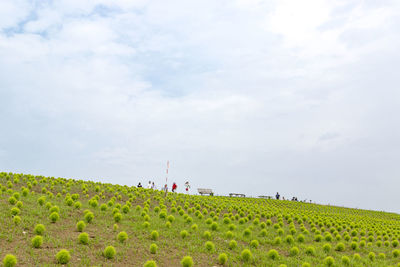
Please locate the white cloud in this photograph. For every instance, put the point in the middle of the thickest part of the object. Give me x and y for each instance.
(290, 95)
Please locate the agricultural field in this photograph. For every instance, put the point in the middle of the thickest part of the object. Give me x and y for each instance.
(47, 221)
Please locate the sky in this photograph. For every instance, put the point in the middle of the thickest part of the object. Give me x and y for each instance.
(241, 96)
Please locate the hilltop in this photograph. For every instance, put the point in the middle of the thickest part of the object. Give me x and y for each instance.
(47, 221)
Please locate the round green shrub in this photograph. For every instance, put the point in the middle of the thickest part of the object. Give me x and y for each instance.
(214, 226)
(289, 239)
(19, 204)
(109, 252)
(125, 209)
(356, 257)
(39, 229)
(150, 264)
(153, 248)
(222, 258)
(326, 248)
(17, 220)
(273, 254)
(263, 232)
(171, 218)
(63, 256)
(12, 200)
(246, 255)
(80, 226)
(294, 251)
(381, 256)
(277, 240)
(371, 256)
(9, 260)
(54, 209)
(83, 238)
(117, 217)
(210, 246)
(329, 261)
(300, 238)
(207, 235)
(345, 260)
(396, 253)
(77, 205)
(89, 217)
(232, 244)
(154, 235)
(16, 195)
(306, 264)
(184, 234)
(187, 261)
(310, 251)
(37, 241)
(340, 247)
(254, 244)
(122, 236)
(318, 238)
(15, 211)
(246, 232)
(54, 217)
(162, 215)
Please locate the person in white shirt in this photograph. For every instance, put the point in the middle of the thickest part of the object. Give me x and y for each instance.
(187, 187)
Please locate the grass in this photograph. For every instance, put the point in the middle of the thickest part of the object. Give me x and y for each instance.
(121, 222)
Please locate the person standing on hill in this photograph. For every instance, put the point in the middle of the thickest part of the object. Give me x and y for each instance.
(174, 187)
(166, 189)
(139, 185)
(187, 187)
(277, 195)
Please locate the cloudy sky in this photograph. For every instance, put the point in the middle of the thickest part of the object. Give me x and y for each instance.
(246, 96)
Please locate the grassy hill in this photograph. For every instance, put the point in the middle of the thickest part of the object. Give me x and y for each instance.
(47, 221)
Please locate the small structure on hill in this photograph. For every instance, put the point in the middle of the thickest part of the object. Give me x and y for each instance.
(204, 191)
(236, 195)
(266, 197)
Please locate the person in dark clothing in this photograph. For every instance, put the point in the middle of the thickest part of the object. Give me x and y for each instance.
(139, 185)
(277, 195)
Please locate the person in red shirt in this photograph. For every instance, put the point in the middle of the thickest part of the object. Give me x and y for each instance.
(174, 186)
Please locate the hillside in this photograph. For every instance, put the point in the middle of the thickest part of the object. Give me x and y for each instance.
(47, 221)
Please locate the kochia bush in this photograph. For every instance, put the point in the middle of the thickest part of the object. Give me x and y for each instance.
(246, 255)
(122, 236)
(39, 229)
(187, 261)
(109, 252)
(83, 238)
(9, 260)
(37, 241)
(63, 256)
(80, 226)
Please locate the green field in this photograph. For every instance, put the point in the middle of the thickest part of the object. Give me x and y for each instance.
(47, 221)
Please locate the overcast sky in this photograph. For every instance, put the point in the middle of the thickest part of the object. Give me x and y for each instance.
(244, 96)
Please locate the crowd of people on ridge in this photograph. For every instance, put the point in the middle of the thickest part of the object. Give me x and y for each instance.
(151, 185)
